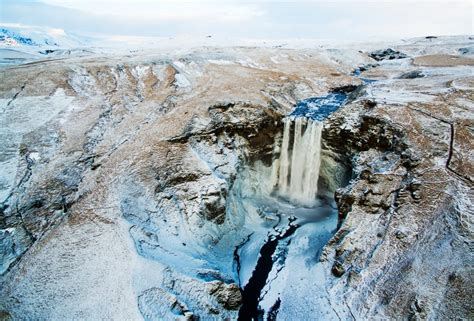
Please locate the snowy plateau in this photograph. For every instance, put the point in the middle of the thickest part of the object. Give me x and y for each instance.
(250, 180)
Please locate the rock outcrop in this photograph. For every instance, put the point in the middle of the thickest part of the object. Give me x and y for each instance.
(387, 54)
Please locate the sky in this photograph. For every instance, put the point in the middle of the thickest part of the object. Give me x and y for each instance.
(316, 19)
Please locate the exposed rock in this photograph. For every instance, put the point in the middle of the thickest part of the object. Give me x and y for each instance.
(465, 51)
(412, 74)
(228, 296)
(345, 89)
(363, 68)
(338, 269)
(387, 54)
(5, 316)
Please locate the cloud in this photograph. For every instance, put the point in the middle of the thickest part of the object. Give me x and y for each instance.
(336, 19)
(165, 11)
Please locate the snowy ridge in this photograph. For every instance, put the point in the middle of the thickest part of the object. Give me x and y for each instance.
(21, 44)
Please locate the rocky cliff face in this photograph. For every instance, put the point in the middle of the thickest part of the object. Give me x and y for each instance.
(403, 247)
(122, 182)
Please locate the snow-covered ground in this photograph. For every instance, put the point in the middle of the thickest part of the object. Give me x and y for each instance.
(137, 237)
(23, 43)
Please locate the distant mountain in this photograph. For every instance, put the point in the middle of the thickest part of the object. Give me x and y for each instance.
(21, 44)
(16, 35)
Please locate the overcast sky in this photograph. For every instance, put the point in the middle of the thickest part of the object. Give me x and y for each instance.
(349, 19)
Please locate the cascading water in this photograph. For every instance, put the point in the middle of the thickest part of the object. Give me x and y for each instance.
(296, 177)
(297, 220)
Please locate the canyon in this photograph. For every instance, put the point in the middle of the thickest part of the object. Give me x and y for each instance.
(225, 183)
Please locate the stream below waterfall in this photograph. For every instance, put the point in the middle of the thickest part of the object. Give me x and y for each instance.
(274, 268)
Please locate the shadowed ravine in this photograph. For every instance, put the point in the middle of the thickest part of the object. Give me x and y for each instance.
(251, 292)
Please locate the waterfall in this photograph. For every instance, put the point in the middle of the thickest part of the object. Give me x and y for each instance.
(295, 174)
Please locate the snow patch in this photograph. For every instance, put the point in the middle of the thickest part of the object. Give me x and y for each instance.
(221, 62)
(182, 81)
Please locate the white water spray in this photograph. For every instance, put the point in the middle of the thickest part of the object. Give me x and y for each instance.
(296, 177)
